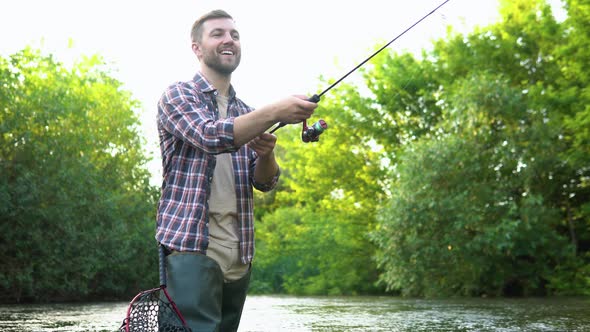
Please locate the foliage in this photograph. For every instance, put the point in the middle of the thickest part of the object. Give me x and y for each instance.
(460, 172)
(315, 241)
(477, 154)
(465, 210)
(76, 206)
(483, 201)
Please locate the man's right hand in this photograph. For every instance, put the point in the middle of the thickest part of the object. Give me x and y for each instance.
(294, 109)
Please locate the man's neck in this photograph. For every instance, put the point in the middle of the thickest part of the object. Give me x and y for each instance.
(221, 82)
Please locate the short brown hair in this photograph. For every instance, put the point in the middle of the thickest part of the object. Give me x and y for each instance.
(197, 29)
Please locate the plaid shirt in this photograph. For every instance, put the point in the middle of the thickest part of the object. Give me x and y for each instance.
(191, 134)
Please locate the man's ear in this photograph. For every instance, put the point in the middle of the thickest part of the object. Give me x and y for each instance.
(197, 50)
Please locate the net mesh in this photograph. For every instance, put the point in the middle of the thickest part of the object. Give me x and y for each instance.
(150, 311)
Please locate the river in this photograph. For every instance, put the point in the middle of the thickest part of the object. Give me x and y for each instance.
(301, 314)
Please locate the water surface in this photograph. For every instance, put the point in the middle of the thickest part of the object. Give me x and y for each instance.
(300, 314)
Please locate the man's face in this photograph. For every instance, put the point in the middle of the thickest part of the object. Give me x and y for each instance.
(219, 48)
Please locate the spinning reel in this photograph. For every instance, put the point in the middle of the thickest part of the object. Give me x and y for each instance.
(313, 132)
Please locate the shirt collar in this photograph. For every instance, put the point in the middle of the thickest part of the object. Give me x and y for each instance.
(204, 86)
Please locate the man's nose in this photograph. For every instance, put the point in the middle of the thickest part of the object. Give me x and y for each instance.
(228, 38)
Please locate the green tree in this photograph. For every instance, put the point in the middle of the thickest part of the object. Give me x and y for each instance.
(480, 146)
(572, 95)
(76, 207)
(315, 240)
(468, 216)
(482, 196)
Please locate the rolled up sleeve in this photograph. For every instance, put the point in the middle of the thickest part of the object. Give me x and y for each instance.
(193, 119)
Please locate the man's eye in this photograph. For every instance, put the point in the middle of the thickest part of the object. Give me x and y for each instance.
(235, 36)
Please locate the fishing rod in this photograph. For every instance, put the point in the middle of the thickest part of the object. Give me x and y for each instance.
(313, 132)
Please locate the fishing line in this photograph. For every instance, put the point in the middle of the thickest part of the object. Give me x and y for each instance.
(312, 133)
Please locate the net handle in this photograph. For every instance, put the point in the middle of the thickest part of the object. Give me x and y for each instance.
(162, 265)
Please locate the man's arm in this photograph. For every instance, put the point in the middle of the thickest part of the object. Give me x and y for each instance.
(266, 164)
(293, 109)
(186, 116)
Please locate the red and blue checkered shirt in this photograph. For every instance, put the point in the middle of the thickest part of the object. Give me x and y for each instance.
(191, 134)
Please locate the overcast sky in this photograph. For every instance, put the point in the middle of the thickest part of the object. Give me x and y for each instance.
(286, 45)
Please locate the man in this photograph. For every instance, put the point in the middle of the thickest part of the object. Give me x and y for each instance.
(214, 149)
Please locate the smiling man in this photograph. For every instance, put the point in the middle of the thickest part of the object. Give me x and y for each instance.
(214, 150)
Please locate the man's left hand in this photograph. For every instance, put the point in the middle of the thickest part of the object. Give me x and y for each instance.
(263, 145)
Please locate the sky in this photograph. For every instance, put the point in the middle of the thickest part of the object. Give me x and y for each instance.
(286, 45)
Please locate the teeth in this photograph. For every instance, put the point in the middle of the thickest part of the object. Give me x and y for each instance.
(227, 52)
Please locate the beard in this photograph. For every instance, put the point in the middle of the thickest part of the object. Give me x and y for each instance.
(215, 62)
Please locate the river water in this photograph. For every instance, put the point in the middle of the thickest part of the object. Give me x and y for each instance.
(301, 314)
